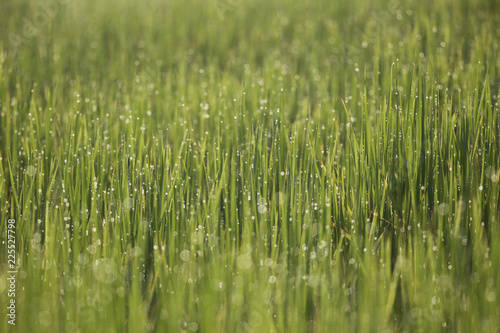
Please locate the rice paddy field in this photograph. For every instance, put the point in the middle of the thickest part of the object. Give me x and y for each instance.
(249, 166)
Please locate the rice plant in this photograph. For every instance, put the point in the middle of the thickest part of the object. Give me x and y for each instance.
(250, 166)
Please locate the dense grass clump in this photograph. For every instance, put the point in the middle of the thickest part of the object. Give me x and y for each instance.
(263, 166)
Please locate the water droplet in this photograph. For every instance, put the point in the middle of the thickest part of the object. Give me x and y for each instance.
(193, 327)
(313, 281)
(443, 209)
(92, 249)
(197, 237)
(136, 251)
(128, 203)
(185, 255)
(31, 171)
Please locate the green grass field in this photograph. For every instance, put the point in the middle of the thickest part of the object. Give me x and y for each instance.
(250, 166)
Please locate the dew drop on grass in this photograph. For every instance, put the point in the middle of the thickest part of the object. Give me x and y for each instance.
(128, 203)
(37, 237)
(219, 285)
(136, 251)
(185, 255)
(244, 261)
(190, 272)
(120, 291)
(272, 279)
(261, 209)
(92, 249)
(193, 327)
(443, 209)
(31, 171)
(313, 281)
(44, 318)
(489, 172)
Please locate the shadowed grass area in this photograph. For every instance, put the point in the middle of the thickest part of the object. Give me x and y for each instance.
(251, 166)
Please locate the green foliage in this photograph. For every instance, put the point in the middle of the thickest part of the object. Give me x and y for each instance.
(264, 166)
